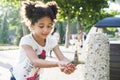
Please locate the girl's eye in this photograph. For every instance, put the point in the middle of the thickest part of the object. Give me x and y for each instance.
(41, 26)
(50, 27)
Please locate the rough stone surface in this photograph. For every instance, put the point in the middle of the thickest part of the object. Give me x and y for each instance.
(96, 50)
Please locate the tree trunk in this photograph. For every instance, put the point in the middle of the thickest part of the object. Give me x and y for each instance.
(67, 31)
(79, 27)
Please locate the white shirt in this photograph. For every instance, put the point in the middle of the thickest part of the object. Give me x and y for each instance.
(56, 36)
(24, 68)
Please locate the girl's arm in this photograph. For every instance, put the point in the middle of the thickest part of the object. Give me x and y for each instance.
(59, 54)
(41, 63)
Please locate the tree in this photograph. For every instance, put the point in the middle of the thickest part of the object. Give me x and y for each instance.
(88, 12)
(4, 29)
(85, 10)
(13, 17)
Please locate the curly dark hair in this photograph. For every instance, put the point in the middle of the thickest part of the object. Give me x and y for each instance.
(33, 11)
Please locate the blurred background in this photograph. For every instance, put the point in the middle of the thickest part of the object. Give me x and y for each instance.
(74, 16)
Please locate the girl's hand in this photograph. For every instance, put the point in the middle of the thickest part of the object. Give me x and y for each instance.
(69, 68)
(62, 65)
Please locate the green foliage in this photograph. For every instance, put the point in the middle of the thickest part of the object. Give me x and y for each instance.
(11, 7)
(19, 34)
(16, 3)
(61, 29)
(4, 29)
(87, 11)
(111, 29)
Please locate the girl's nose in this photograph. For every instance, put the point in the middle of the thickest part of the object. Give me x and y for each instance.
(45, 29)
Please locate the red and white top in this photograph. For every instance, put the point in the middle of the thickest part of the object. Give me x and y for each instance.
(23, 68)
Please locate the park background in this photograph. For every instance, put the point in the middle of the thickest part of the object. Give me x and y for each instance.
(74, 16)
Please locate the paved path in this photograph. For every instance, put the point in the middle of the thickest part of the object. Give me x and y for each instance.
(8, 58)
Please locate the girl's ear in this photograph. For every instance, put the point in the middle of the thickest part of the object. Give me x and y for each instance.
(29, 24)
(31, 27)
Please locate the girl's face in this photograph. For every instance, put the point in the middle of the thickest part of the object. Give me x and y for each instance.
(42, 28)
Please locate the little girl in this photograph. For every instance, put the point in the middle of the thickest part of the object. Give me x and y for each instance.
(39, 18)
